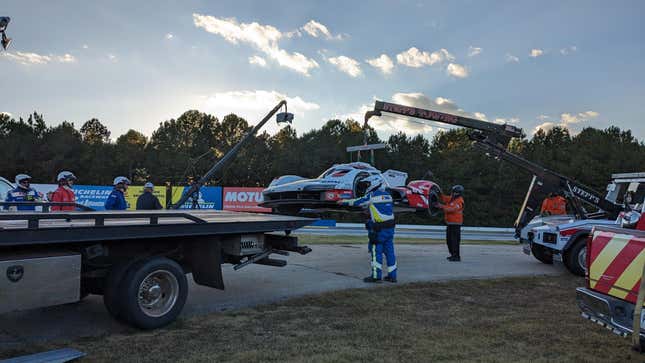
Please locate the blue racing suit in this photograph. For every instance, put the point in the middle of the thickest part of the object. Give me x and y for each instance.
(380, 229)
(23, 195)
(116, 201)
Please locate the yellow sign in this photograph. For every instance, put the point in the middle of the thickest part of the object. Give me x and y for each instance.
(134, 191)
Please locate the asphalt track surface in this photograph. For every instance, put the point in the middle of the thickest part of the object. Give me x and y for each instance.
(327, 268)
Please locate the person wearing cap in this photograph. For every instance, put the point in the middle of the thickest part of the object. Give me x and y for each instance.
(64, 193)
(23, 192)
(453, 211)
(147, 200)
(116, 199)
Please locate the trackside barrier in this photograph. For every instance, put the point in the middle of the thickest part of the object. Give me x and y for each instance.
(415, 231)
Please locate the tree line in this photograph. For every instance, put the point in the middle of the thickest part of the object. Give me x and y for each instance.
(187, 147)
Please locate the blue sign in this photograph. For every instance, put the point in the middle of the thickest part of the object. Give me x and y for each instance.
(207, 198)
(93, 196)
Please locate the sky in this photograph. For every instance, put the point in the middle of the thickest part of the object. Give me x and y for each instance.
(132, 65)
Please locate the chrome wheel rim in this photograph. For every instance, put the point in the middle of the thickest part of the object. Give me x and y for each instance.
(158, 293)
(582, 258)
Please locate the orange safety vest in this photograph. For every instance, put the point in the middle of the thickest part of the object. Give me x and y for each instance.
(453, 211)
(554, 205)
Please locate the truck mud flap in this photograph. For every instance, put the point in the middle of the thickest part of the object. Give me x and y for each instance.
(205, 259)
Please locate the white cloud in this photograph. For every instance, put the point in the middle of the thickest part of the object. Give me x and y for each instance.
(383, 63)
(66, 58)
(258, 61)
(263, 37)
(568, 120)
(28, 58)
(346, 65)
(511, 58)
(473, 51)
(316, 29)
(85, 46)
(253, 104)
(545, 126)
(536, 53)
(568, 50)
(112, 58)
(457, 70)
(502, 120)
(480, 116)
(415, 58)
(169, 36)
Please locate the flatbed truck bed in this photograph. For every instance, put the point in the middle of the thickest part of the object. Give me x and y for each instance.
(138, 260)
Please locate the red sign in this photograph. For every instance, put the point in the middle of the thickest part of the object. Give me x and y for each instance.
(243, 199)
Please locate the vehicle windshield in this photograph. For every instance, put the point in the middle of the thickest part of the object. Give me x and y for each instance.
(4, 188)
(335, 172)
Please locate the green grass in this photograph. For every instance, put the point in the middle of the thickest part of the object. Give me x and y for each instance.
(503, 320)
(305, 239)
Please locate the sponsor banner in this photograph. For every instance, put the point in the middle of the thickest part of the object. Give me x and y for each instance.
(93, 196)
(207, 198)
(134, 191)
(243, 199)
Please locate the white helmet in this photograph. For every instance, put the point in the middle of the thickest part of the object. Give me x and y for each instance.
(21, 177)
(121, 180)
(66, 175)
(373, 182)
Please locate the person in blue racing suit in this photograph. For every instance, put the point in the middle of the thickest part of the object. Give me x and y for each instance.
(116, 199)
(23, 193)
(380, 227)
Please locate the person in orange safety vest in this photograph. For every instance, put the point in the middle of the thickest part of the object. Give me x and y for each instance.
(554, 205)
(453, 211)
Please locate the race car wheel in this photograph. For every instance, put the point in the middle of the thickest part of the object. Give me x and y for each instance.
(541, 253)
(576, 258)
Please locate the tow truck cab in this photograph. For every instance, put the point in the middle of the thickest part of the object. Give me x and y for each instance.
(564, 239)
(615, 263)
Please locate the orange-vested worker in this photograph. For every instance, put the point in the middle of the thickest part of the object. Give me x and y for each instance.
(554, 205)
(453, 212)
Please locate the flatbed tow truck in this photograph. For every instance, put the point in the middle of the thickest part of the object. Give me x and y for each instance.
(138, 260)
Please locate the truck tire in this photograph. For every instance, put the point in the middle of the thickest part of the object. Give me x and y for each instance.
(575, 258)
(111, 288)
(153, 293)
(542, 254)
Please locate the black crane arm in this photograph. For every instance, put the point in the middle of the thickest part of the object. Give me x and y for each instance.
(494, 138)
(496, 134)
(230, 155)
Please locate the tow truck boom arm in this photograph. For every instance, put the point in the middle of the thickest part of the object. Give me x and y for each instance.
(494, 138)
(496, 134)
(230, 155)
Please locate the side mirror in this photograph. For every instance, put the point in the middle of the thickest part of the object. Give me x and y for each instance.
(284, 117)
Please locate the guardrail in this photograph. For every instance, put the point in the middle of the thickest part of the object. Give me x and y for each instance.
(415, 231)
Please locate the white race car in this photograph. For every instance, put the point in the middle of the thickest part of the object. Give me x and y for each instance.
(289, 194)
